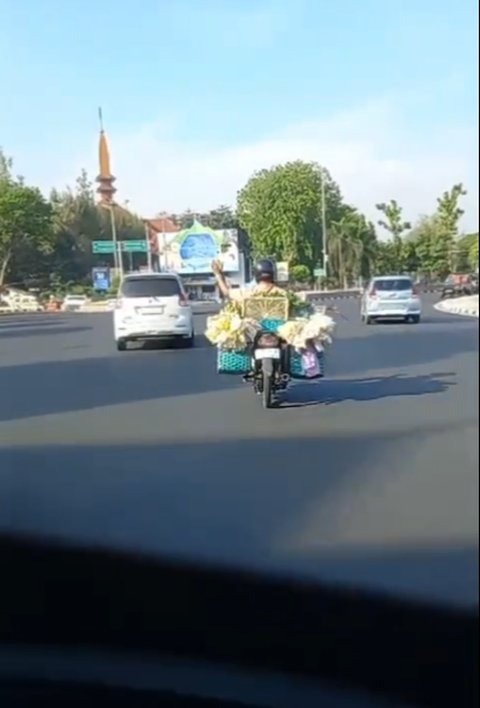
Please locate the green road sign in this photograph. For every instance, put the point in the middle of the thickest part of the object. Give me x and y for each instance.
(139, 246)
(319, 272)
(131, 246)
(102, 246)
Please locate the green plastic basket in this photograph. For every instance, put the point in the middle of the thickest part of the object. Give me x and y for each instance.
(230, 362)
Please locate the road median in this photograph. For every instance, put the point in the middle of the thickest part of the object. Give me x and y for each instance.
(467, 306)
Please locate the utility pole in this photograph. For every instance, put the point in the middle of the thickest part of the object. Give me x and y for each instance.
(324, 226)
(116, 244)
(149, 247)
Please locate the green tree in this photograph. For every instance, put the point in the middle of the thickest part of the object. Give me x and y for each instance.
(395, 225)
(300, 274)
(25, 219)
(393, 221)
(421, 244)
(449, 214)
(220, 218)
(352, 247)
(386, 258)
(281, 210)
(463, 251)
(473, 254)
(78, 222)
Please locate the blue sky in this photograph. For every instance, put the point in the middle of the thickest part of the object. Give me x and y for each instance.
(198, 93)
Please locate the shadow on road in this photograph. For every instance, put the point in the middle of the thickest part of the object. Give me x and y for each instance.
(278, 503)
(18, 331)
(83, 383)
(369, 389)
(393, 347)
(7, 325)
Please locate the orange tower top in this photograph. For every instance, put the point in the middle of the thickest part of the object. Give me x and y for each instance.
(105, 179)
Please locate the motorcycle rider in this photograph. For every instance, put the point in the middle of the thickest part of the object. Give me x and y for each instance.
(264, 284)
(264, 281)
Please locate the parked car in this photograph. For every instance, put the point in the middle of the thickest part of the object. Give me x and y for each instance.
(73, 303)
(458, 285)
(391, 297)
(152, 306)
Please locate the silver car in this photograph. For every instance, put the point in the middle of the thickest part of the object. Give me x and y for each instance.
(391, 297)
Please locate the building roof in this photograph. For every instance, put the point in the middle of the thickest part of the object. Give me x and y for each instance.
(162, 225)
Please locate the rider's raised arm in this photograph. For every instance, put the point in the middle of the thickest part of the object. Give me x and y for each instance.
(220, 279)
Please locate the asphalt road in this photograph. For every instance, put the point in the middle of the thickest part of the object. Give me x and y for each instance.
(369, 477)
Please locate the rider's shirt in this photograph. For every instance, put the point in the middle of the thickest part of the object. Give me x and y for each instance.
(258, 289)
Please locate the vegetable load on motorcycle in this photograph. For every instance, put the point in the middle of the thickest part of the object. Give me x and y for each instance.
(236, 327)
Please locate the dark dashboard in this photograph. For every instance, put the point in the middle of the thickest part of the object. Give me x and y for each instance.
(89, 626)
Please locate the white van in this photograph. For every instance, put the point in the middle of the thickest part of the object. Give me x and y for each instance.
(152, 306)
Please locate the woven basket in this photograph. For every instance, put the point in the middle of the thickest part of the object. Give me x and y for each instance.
(266, 308)
(229, 362)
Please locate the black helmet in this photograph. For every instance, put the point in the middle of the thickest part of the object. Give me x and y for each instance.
(264, 270)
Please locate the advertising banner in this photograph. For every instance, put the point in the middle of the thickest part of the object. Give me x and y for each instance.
(101, 278)
(191, 251)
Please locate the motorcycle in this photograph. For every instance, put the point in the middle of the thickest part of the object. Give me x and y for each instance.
(269, 366)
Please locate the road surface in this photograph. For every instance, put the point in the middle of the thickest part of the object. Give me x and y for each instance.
(369, 477)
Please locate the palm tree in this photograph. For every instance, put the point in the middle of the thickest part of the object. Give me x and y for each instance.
(352, 244)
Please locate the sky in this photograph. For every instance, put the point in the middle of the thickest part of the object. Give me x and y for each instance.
(198, 94)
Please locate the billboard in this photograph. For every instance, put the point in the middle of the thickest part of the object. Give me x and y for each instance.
(101, 278)
(191, 251)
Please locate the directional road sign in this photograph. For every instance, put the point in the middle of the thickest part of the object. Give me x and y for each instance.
(102, 247)
(131, 246)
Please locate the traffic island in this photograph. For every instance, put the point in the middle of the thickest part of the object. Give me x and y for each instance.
(467, 306)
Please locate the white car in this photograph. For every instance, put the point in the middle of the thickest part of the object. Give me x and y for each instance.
(152, 306)
(391, 297)
(73, 303)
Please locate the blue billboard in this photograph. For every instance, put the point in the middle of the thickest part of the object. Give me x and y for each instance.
(101, 278)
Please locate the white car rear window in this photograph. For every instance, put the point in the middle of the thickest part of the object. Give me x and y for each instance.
(390, 284)
(150, 287)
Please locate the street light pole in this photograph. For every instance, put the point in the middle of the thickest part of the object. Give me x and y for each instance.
(118, 261)
(149, 248)
(324, 226)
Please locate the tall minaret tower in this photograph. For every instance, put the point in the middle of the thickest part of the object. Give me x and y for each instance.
(105, 179)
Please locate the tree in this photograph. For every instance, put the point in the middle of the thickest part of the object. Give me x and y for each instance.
(25, 219)
(281, 210)
(351, 246)
(220, 218)
(78, 222)
(449, 214)
(393, 222)
(386, 258)
(300, 274)
(420, 241)
(473, 253)
(463, 253)
(396, 227)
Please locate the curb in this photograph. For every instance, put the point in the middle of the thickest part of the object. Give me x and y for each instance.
(457, 307)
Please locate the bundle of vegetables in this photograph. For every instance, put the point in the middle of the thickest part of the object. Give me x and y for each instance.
(304, 331)
(229, 331)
